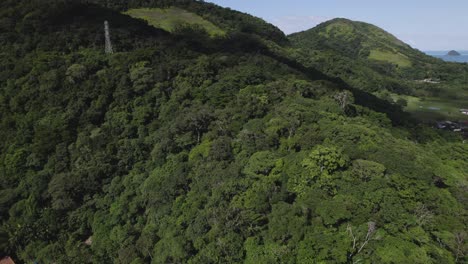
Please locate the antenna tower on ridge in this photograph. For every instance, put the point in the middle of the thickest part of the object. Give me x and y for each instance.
(109, 49)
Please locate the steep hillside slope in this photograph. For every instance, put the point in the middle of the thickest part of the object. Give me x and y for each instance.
(181, 148)
(227, 19)
(173, 19)
(359, 40)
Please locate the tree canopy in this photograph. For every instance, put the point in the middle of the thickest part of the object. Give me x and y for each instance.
(181, 148)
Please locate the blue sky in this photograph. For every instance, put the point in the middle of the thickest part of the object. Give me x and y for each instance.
(424, 24)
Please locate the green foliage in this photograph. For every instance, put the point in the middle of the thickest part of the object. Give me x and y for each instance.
(211, 16)
(201, 151)
(325, 159)
(181, 148)
(141, 76)
(260, 163)
(75, 73)
(366, 170)
(371, 59)
(402, 102)
(172, 18)
(319, 167)
(390, 57)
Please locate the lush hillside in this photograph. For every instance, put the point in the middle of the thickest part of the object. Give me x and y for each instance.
(172, 19)
(372, 59)
(357, 40)
(224, 18)
(181, 148)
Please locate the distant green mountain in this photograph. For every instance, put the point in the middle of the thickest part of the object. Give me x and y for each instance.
(370, 58)
(358, 40)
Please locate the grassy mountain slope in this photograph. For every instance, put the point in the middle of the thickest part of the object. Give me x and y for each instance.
(180, 148)
(170, 19)
(358, 40)
(370, 58)
(227, 19)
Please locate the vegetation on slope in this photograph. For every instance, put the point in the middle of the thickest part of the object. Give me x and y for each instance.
(390, 57)
(226, 19)
(369, 58)
(188, 149)
(354, 47)
(430, 109)
(171, 19)
(364, 37)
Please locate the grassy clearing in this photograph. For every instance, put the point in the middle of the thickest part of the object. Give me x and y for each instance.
(434, 109)
(392, 57)
(171, 18)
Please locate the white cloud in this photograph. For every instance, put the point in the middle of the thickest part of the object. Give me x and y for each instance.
(292, 24)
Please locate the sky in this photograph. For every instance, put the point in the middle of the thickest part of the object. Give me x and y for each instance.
(427, 25)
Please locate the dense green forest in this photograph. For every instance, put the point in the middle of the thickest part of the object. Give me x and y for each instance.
(186, 148)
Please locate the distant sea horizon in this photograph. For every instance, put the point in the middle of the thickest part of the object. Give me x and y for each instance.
(442, 54)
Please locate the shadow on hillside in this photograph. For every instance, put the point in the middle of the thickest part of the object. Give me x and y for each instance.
(394, 112)
(81, 25)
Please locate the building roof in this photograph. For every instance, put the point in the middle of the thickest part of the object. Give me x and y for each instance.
(6, 260)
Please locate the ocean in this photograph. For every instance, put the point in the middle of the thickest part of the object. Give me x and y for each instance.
(443, 55)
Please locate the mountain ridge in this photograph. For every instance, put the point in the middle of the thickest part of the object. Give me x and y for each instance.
(361, 35)
(347, 49)
(238, 21)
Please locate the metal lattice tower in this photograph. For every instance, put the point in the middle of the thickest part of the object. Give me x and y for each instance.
(109, 49)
